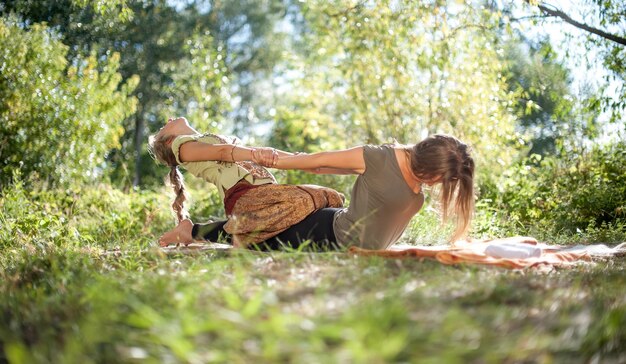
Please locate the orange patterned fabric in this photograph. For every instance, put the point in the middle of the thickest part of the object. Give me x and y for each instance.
(474, 253)
(266, 211)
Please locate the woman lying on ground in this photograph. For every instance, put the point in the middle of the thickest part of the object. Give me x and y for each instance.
(386, 194)
(388, 190)
(258, 209)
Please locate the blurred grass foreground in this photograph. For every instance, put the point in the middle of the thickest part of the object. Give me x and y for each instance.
(81, 282)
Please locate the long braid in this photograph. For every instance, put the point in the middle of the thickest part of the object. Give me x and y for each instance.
(160, 149)
(178, 184)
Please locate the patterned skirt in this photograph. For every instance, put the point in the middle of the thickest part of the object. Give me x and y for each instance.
(267, 210)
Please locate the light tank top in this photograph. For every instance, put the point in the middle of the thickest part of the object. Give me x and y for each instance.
(224, 175)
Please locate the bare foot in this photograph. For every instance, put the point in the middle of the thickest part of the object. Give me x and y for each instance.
(181, 234)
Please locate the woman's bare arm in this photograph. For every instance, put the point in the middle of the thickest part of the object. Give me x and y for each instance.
(197, 151)
(342, 161)
(329, 171)
(268, 157)
(348, 161)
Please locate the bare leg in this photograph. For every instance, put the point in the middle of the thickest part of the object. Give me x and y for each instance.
(181, 234)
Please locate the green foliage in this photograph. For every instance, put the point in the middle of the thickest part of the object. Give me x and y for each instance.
(611, 16)
(603, 16)
(254, 37)
(80, 284)
(58, 120)
(199, 86)
(95, 217)
(189, 56)
(303, 128)
(371, 72)
(544, 105)
(110, 10)
(576, 193)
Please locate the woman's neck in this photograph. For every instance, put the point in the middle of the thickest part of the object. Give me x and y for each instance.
(186, 130)
(405, 167)
(175, 132)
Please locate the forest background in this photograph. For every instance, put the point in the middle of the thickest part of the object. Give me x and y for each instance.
(538, 92)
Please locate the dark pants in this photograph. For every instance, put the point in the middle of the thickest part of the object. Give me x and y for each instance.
(314, 233)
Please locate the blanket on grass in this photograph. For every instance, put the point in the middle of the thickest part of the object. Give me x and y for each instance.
(512, 253)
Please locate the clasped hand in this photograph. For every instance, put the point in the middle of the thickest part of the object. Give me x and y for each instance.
(265, 156)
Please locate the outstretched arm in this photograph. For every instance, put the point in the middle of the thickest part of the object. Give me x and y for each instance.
(348, 161)
(330, 171)
(198, 151)
(341, 161)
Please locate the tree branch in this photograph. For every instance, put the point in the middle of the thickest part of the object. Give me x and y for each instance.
(346, 11)
(560, 14)
(522, 18)
(454, 31)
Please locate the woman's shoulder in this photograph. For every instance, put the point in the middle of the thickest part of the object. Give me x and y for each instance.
(211, 138)
(373, 150)
(180, 140)
(377, 155)
(208, 138)
(218, 139)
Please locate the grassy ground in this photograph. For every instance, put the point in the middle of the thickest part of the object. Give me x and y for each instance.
(80, 283)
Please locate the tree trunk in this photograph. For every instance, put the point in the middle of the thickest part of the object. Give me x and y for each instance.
(138, 143)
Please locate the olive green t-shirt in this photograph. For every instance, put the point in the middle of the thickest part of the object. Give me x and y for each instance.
(381, 204)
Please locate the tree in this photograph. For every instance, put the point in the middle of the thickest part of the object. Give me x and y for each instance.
(254, 41)
(603, 25)
(58, 120)
(374, 71)
(544, 103)
(607, 11)
(156, 42)
(161, 41)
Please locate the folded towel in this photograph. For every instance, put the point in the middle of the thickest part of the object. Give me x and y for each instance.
(513, 251)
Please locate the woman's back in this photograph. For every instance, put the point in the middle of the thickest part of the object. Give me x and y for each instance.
(381, 204)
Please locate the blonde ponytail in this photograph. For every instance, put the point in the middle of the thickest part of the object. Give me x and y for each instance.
(445, 159)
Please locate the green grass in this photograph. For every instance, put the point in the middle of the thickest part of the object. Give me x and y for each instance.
(80, 283)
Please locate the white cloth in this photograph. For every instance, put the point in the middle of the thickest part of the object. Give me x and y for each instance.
(513, 251)
(598, 250)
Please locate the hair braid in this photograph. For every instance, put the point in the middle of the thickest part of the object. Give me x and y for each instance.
(160, 149)
(178, 184)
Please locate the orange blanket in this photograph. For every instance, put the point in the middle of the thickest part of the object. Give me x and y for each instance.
(474, 252)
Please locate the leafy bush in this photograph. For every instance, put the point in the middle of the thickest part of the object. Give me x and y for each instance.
(52, 244)
(57, 120)
(575, 193)
(99, 217)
